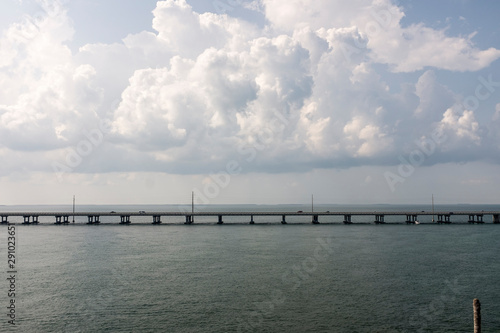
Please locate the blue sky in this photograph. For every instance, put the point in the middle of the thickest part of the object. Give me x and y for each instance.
(241, 101)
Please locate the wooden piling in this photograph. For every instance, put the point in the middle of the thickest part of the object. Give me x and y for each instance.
(477, 315)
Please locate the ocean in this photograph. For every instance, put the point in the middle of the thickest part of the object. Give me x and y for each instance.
(238, 277)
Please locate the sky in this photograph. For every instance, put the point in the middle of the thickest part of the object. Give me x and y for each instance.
(249, 101)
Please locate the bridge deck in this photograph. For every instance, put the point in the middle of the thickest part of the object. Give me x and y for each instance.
(125, 217)
(247, 213)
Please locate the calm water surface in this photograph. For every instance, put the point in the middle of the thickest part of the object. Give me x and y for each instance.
(254, 278)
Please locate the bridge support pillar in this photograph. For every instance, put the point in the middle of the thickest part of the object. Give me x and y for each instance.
(93, 219)
(379, 219)
(446, 219)
(5, 219)
(315, 219)
(476, 218)
(283, 219)
(35, 219)
(411, 219)
(496, 219)
(347, 219)
(156, 219)
(220, 220)
(251, 219)
(189, 219)
(26, 219)
(125, 219)
(61, 219)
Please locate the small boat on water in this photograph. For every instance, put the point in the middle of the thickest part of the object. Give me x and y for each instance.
(416, 222)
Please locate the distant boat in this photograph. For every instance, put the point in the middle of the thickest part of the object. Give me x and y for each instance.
(416, 222)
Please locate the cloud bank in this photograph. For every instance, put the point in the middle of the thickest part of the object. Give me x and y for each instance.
(306, 90)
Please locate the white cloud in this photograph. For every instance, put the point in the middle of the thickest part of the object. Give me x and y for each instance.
(365, 139)
(292, 14)
(417, 47)
(46, 96)
(433, 97)
(311, 89)
(187, 33)
(405, 49)
(460, 127)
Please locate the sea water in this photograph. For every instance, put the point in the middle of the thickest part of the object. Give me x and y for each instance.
(238, 277)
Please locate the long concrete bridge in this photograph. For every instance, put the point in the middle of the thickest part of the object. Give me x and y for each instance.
(94, 218)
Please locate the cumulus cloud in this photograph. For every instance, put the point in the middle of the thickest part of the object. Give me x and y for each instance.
(405, 49)
(309, 89)
(433, 97)
(45, 95)
(367, 139)
(460, 126)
